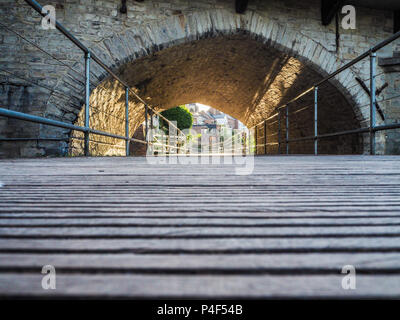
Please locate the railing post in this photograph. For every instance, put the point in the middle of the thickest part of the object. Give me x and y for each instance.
(127, 121)
(279, 131)
(372, 103)
(152, 131)
(287, 129)
(233, 145)
(255, 138)
(244, 143)
(87, 102)
(146, 125)
(316, 121)
(265, 137)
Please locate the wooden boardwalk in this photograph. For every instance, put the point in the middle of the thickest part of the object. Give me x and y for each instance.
(123, 228)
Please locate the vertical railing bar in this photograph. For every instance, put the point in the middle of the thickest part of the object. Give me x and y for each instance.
(233, 142)
(287, 129)
(244, 143)
(255, 139)
(279, 131)
(146, 125)
(222, 139)
(152, 131)
(265, 137)
(87, 103)
(316, 121)
(372, 103)
(248, 142)
(151, 120)
(127, 121)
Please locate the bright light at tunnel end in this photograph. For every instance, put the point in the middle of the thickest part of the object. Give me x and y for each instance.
(176, 148)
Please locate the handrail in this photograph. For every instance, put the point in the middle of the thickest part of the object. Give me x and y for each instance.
(35, 5)
(373, 49)
(37, 119)
(372, 128)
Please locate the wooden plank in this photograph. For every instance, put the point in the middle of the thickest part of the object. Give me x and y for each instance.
(341, 215)
(219, 181)
(361, 261)
(205, 246)
(211, 209)
(202, 222)
(156, 232)
(147, 286)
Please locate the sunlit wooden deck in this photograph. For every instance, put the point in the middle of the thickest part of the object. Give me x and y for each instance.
(123, 228)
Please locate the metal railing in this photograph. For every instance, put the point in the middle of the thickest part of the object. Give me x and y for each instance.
(86, 129)
(371, 129)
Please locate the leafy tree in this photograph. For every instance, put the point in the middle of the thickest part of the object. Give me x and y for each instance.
(180, 114)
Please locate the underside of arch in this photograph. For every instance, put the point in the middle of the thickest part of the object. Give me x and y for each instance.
(237, 74)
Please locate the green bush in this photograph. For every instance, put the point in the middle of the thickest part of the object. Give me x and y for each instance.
(180, 114)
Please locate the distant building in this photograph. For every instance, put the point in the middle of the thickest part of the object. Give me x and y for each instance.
(221, 119)
(212, 119)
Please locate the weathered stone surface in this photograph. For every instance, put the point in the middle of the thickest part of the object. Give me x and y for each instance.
(137, 148)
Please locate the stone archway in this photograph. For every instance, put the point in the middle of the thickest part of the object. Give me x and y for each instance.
(244, 65)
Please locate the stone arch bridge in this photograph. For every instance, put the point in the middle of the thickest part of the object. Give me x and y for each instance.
(172, 53)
